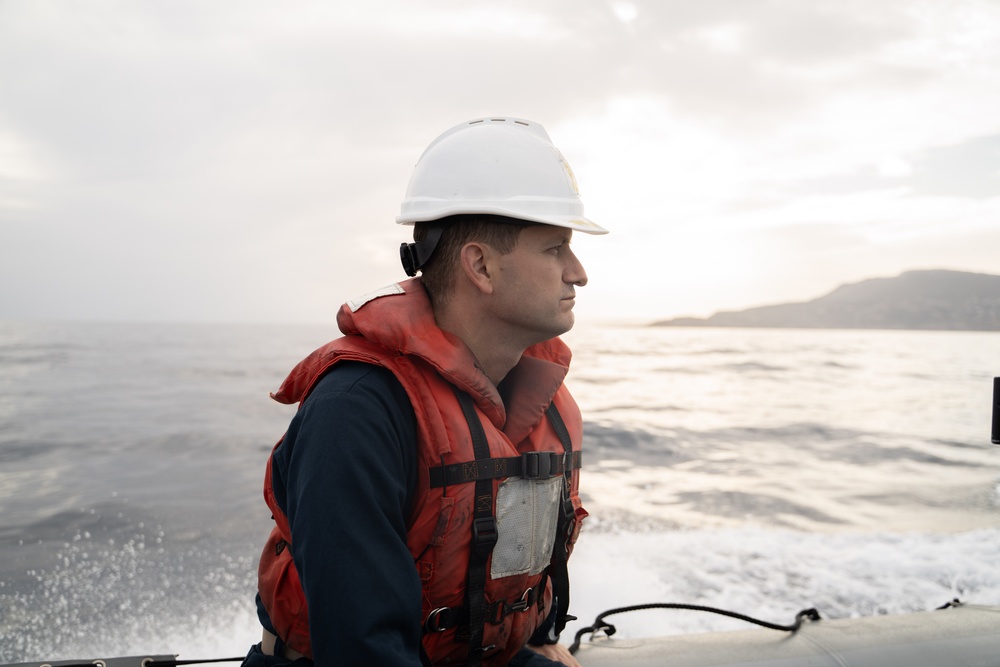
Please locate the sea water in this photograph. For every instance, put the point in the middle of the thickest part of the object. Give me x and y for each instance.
(759, 471)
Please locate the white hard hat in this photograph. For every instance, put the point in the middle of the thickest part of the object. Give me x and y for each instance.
(496, 166)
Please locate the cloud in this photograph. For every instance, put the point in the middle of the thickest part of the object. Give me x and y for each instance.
(969, 169)
(237, 160)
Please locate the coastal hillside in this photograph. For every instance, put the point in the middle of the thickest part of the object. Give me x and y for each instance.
(931, 300)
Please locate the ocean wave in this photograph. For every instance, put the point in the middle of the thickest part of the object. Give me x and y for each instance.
(773, 573)
(605, 441)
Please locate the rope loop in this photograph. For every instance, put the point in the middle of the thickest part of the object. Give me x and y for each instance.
(608, 629)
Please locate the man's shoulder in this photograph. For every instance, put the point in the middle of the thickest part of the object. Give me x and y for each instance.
(352, 394)
(357, 377)
(361, 390)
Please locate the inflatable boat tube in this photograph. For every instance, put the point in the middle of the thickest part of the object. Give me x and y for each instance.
(960, 636)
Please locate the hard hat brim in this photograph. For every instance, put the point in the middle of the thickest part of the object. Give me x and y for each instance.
(576, 223)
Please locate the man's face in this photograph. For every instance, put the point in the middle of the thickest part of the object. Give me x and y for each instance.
(535, 285)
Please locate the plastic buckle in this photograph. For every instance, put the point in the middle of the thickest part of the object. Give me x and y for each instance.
(568, 511)
(539, 465)
(484, 535)
(500, 610)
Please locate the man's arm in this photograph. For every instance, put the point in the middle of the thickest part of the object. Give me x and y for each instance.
(546, 655)
(350, 475)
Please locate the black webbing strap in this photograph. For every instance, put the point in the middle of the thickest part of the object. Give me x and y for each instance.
(484, 536)
(530, 465)
(445, 618)
(564, 528)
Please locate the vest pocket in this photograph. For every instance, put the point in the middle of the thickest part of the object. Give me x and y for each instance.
(527, 513)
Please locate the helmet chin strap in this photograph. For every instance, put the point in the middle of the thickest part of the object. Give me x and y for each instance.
(415, 255)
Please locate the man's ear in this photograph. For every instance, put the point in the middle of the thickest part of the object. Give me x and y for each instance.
(475, 260)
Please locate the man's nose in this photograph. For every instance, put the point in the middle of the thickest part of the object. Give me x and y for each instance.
(575, 273)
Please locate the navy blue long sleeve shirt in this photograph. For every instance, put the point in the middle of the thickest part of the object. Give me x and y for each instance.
(345, 476)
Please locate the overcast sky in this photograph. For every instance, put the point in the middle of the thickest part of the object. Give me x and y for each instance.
(235, 160)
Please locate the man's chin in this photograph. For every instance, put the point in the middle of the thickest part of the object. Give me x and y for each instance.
(566, 323)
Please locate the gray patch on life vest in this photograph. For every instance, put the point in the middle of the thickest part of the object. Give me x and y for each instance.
(527, 513)
(356, 303)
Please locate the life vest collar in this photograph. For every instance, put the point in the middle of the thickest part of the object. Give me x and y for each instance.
(406, 326)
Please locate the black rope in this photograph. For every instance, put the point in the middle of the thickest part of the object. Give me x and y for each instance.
(143, 662)
(175, 663)
(608, 629)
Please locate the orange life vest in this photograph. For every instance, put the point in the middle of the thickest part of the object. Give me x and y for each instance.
(398, 332)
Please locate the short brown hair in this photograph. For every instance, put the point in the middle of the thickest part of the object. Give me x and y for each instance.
(438, 274)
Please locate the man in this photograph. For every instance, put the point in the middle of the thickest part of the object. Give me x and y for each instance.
(425, 495)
